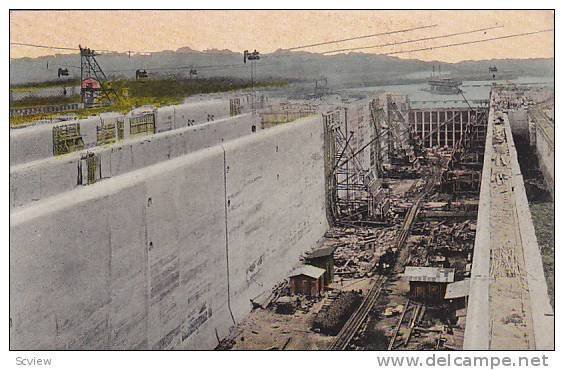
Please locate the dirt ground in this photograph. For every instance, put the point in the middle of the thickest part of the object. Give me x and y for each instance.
(543, 220)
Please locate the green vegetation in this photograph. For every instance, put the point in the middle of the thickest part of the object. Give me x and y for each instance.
(543, 220)
(50, 100)
(144, 92)
(41, 85)
(186, 87)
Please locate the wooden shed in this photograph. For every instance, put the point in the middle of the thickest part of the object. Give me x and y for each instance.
(457, 293)
(323, 258)
(307, 280)
(428, 283)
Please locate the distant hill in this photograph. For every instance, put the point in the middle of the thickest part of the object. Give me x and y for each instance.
(353, 69)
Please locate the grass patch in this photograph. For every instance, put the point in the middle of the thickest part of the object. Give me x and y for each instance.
(33, 101)
(33, 86)
(146, 92)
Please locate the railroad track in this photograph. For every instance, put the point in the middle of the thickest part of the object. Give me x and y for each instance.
(352, 326)
(354, 323)
(411, 315)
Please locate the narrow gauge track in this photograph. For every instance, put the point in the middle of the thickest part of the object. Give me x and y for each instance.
(354, 323)
(357, 318)
(411, 315)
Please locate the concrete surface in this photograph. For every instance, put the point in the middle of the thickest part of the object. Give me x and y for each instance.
(545, 150)
(519, 123)
(36, 180)
(36, 142)
(163, 256)
(542, 313)
(508, 306)
(477, 331)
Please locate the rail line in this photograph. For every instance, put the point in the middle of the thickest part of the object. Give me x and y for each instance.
(355, 321)
(417, 311)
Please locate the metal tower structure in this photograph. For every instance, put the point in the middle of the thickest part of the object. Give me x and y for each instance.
(252, 58)
(94, 90)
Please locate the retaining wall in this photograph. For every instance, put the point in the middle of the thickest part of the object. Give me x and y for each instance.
(165, 256)
(542, 314)
(477, 330)
(39, 179)
(519, 123)
(36, 142)
(545, 154)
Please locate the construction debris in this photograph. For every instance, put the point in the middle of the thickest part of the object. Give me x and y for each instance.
(333, 316)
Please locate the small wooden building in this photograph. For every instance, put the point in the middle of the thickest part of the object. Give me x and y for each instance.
(457, 293)
(428, 283)
(323, 258)
(307, 280)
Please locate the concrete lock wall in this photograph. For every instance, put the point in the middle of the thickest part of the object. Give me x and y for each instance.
(39, 179)
(545, 154)
(36, 142)
(31, 143)
(477, 331)
(145, 260)
(519, 121)
(276, 205)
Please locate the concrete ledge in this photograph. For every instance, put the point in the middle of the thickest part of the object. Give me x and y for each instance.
(39, 179)
(167, 256)
(542, 312)
(477, 331)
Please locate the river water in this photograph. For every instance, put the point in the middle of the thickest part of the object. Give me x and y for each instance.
(473, 91)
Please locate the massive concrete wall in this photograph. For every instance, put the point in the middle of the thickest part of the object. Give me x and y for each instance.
(36, 142)
(542, 314)
(545, 154)
(276, 205)
(519, 122)
(37, 180)
(477, 331)
(477, 335)
(31, 143)
(166, 256)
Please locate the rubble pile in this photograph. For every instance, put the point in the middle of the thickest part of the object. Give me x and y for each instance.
(442, 244)
(331, 318)
(358, 249)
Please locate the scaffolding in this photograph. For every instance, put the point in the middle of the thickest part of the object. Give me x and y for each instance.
(106, 133)
(67, 139)
(354, 196)
(404, 147)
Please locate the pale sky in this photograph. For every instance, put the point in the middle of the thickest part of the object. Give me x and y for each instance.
(267, 31)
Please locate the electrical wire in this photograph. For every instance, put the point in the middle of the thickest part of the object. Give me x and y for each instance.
(105, 51)
(360, 37)
(469, 42)
(412, 41)
(235, 66)
(42, 46)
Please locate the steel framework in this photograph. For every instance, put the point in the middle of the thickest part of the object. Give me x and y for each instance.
(94, 90)
(353, 193)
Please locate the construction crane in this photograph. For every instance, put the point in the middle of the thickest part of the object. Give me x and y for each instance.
(94, 87)
(493, 71)
(252, 57)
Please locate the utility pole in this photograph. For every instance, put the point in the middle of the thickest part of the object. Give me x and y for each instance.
(252, 57)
